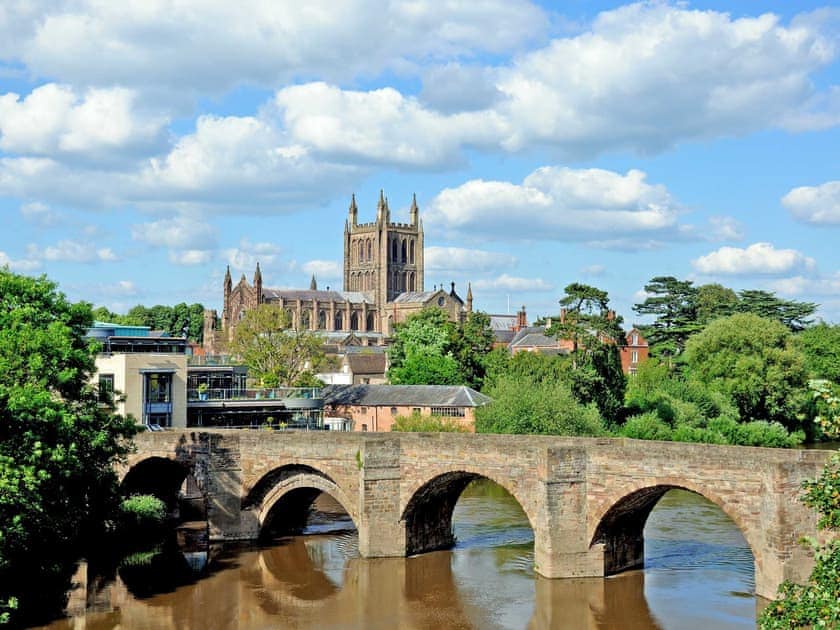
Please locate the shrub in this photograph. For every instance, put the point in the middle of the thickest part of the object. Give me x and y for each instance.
(141, 514)
(427, 424)
(646, 426)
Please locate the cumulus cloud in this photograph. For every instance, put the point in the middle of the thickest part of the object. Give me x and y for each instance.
(71, 251)
(40, 214)
(819, 285)
(247, 255)
(819, 205)
(557, 203)
(725, 229)
(212, 46)
(757, 259)
(462, 259)
(189, 257)
(180, 232)
(456, 87)
(322, 269)
(22, 265)
(54, 119)
(507, 282)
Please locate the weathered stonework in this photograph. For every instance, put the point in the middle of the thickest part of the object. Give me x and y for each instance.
(587, 500)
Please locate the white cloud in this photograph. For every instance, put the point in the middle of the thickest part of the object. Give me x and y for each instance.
(176, 233)
(247, 255)
(725, 229)
(190, 257)
(820, 286)
(323, 269)
(212, 46)
(757, 259)
(462, 259)
(506, 282)
(22, 265)
(557, 203)
(594, 270)
(54, 119)
(40, 214)
(819, 205)
(455, 87)
(71, 251)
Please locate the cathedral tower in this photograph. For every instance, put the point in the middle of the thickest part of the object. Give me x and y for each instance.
(382, 258)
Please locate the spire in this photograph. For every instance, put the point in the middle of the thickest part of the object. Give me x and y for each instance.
(353, 211)
(413, 212)
(258, 275)
(227, 278)
(313, 284)
(469, 297)
(380, 207)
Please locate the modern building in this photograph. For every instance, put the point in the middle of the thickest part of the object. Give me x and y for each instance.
(383, 276)
(376, 407)
(145, 372)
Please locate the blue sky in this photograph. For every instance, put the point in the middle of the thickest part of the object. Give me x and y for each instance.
(146, 145)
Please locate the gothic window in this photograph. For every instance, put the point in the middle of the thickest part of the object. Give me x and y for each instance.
(405, 281)
(370, 251)
(339, 321)
(322, 320)
(411, 281)
(394, 250)
(304, 319)
(369, 321)
(404, 258)
(411, 252)
(354, 321)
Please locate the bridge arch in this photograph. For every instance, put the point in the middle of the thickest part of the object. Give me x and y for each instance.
(160, 476)
(294, 487)
(619, 523)
(428, 512)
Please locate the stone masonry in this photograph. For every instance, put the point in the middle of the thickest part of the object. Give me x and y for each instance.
(587, 499)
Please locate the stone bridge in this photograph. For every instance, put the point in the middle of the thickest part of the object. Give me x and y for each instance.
(587, 499)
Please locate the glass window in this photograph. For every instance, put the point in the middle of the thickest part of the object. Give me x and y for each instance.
(106, 388)
(393, 411)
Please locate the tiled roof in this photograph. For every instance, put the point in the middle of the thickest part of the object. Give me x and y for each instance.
(415, 297)
(502, 322)
(404, 395)
(533, 337)
(354, 297)
(367, 363)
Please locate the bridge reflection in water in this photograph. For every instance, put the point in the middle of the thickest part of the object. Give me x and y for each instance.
(699, 573)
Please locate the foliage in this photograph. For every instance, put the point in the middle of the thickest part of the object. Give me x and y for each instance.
(428, 349)
(276, 354)
(753, 361)
(793, 315)
(595, 332)
(142, 514)
(418, 423)
(821, 347)
(523, 405)
(57, 444)
(714, 301)
(175, 320)
(674, 305)
(817, 603)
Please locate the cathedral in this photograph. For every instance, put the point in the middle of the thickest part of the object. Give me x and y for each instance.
(383, 285)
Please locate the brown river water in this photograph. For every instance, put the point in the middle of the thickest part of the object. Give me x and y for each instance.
(698, 574)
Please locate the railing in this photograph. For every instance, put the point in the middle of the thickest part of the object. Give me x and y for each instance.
(268, 393)
(212, 360)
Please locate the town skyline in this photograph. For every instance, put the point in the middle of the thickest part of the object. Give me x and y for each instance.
(608, 143)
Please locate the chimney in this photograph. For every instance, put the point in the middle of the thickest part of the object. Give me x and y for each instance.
(521, 320)
(563, 315)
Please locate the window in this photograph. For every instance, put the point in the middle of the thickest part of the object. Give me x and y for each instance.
(364, 427)
(449, 412)
(158, 388)
(393, 411)
(634, 340)
(106, 388)
(634, 356)
(415, 410)
(364, 409)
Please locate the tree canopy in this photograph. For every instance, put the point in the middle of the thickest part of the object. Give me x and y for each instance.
(175, 320)
(276, 354)
(57, 444)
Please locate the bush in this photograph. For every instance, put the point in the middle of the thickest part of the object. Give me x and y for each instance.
(646, 426)
(142, 516)
(428, 424)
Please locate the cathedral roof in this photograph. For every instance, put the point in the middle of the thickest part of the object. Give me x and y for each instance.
(353, 297)
(417, 297)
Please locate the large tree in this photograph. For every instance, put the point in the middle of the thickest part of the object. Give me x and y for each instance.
(673, 304)
(755, 362)
(276, 354)
(821, 347)
(58, 444)
(596, 335)
(795, 315)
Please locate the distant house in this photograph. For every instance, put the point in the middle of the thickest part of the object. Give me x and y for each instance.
(358, 366)
(505, 327)
(375, 407)
(635, 351)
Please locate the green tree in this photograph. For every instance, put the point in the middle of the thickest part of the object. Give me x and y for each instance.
(795, 315)
(821, 347)
(417, 423)
(673, 303)
(755, 362)
(596, 335)
(57, 444)
(470, 344)
(714, 301)
(275, 353)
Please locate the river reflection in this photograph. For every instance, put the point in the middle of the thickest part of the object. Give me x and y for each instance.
(699, 573)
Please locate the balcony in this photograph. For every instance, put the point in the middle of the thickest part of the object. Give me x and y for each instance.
(292, 397)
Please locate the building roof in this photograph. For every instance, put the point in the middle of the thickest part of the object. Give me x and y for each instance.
(503, 322)
(353, 297)
(533, 337)
(366, 363)
(404, 395)
(416, 297)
